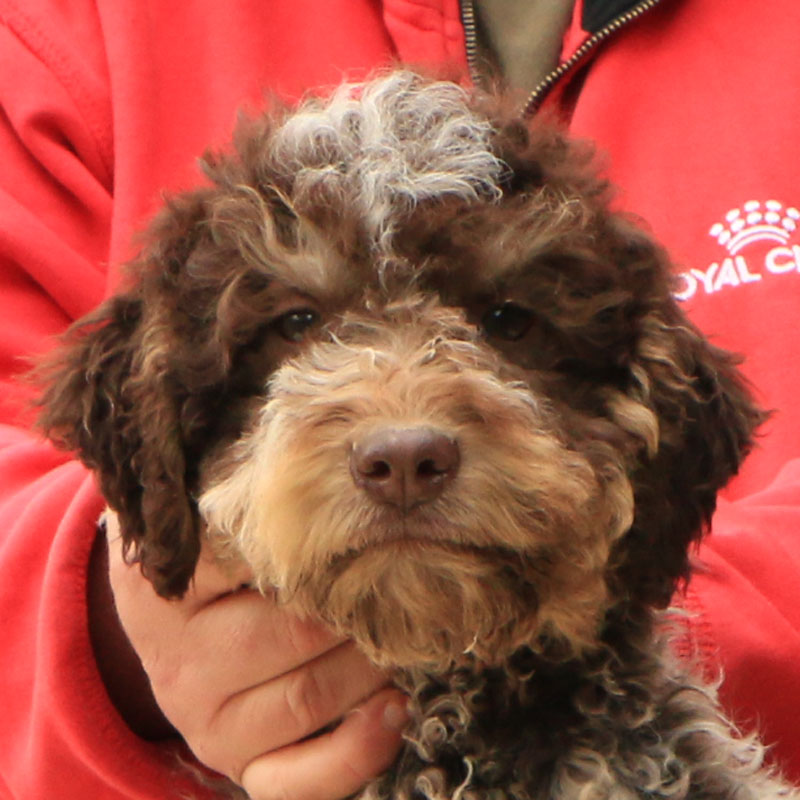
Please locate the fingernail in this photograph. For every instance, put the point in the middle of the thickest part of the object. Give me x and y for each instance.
(396, 716)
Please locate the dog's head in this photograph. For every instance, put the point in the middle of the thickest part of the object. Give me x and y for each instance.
(402, 358)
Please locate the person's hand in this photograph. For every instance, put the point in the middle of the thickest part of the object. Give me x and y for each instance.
(247, 684)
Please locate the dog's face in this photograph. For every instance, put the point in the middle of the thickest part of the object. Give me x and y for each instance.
(402, 359)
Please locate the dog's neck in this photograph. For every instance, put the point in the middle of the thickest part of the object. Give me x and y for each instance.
(626, 638)
(549, 698)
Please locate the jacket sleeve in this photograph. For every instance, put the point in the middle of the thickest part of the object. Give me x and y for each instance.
(59, 734)
(743, 622)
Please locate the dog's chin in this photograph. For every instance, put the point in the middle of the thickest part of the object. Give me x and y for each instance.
(412, 603)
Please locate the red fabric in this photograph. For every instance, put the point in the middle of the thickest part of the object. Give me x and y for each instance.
(745, 615)
(105, 103)
(693, 132)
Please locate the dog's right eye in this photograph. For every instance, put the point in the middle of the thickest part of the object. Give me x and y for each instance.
(507, 321)
(294, 325)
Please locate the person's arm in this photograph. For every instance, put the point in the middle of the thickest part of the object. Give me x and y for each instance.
(744, 613)
(74, 693)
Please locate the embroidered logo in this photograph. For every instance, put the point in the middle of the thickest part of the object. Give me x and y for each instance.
(754, 223)
(766, 231)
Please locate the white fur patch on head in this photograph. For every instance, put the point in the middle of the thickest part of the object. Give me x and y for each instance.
(388, 145)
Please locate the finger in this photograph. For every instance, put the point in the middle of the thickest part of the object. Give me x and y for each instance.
(213, 577)
(242, 641)
(304, 700)
(257, 628)
(335, 764)
(240, 637)
(194, 663)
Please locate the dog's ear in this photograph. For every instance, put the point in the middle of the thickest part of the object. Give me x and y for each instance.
(702, 420)
(111, 395)
(147, 385)
(92, 405)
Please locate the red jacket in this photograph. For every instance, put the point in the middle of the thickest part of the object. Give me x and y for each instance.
(105, 103)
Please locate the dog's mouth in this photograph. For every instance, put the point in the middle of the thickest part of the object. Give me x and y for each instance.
(398, 550)
(413, 596)
(414, 544)
(412, 601)
(417, 533)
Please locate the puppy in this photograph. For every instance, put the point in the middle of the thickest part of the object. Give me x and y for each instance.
(401, 357)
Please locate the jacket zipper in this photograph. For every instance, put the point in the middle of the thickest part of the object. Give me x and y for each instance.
(537, 96)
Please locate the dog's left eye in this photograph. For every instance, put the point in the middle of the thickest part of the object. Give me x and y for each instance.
(294, 325)
(507, 321)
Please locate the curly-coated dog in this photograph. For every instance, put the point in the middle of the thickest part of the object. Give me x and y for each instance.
(401, 357)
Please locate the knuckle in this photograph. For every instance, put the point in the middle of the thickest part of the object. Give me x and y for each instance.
(168, 683)
(203, 751)
(215, 749)
(163, 671)
(207, 750)
(305, 700)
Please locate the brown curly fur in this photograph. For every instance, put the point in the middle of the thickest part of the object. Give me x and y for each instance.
(518, 606)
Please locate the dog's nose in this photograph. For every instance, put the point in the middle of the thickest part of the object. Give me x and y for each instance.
(405, 467)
